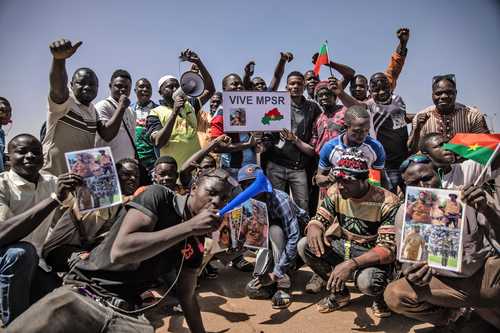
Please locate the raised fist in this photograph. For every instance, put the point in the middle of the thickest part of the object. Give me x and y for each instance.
(403, 35)
(63, 49)
(286, 56)
(191, 56)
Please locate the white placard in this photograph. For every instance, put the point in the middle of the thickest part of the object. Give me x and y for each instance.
(248, 111)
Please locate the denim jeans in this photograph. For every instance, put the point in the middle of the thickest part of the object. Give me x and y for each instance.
(18, 263)
(66, 310)
(370, 281)
(281, 177)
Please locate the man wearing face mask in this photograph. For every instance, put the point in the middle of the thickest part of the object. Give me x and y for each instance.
(141, 108)
(173, 125)
(122, 145)
(156, 235)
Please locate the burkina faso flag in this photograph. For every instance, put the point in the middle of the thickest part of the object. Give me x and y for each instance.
(322, 59)
(476, 147)
(374, 177)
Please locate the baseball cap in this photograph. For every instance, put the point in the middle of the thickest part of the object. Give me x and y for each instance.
(248, 171)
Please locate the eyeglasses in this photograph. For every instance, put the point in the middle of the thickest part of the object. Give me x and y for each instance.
(449, 77)
(419, 159)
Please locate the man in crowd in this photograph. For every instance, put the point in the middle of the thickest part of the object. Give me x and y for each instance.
(311, 79)
(274, 265)
(287, 160)
(122, 145)
(156, 235)
(27, 201)
(72, 122)
(5, 114)
(446, 116)
(258, 83)
(240, 150)
(141, 108)
(352, 236)
(439, 296)
(359, 83)
(357, 122)
(173, 125)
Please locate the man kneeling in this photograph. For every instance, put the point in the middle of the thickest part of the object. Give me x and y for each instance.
(157, 234)
(356, 222)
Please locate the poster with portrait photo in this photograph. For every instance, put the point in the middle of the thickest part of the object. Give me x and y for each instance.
(433, 228)
(222, 236)
(254, 229)
(101, 187)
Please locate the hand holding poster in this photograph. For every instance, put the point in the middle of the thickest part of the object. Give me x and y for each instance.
(433, 227)
(248, 111)
(101, 187)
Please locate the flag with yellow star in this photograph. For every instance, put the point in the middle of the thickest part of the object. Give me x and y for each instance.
(476, 147)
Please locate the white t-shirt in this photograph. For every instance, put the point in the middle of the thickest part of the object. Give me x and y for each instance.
(121, 146)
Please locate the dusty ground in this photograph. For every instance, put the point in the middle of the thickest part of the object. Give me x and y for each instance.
(225, 308)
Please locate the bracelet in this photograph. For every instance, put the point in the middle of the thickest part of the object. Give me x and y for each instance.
(53, 195)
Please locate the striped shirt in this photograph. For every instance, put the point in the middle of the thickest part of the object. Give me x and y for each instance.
(71, 126)
(465, 119)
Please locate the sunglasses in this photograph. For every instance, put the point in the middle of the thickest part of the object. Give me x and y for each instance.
(419, 159)
(449, 77)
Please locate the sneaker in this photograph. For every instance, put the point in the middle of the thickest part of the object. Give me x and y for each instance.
(243, 265)
(380, 309)
(315, 284)
(334, 302)
(209, 272)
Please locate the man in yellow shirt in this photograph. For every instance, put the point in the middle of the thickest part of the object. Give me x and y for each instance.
(173, 125)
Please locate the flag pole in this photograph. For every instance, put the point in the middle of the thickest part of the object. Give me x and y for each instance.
(495, 152)
(328, 56)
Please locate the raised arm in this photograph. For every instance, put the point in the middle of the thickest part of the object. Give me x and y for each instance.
(398, 57)
(247, 78)
(304, 147)
(17, 227)
(418, 123)
(190, 164)
(280, 70)
(234, 147)
(338, 89)
(61, 50)
(161, 135)
(344, 70)
(209, 91)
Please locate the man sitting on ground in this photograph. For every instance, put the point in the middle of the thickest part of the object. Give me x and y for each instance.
(27, 201)
(352, 236)
(273, 266)
(439, 296)
(157, 234)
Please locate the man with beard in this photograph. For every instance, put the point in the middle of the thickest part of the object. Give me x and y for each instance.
(446, 116)
(141, 108)
(72, 123)
(156, 235)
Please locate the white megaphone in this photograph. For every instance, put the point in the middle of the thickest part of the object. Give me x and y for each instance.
(191, 84)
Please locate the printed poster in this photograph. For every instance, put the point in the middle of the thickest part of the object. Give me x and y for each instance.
(254, 229)
(433, 228)
(101, 187)
(248, 111)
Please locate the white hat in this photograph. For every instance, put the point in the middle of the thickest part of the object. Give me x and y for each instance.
(165, 78)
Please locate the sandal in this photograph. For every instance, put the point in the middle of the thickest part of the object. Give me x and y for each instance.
(333, 302)
(281, 300)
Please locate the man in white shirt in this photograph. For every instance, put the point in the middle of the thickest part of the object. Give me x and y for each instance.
(122, 145)
(27, 200)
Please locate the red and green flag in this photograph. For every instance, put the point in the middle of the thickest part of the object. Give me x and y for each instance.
(322, 58)
(476, 147)
(374, 177)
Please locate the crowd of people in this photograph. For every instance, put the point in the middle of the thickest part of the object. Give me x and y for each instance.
(63, 270)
